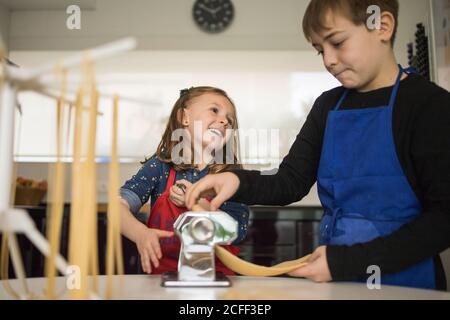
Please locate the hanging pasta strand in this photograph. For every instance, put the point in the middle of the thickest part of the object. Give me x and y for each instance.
(56, 203)
(114, 240)
(83, 217)
(17, 148)
(76, 256)
(78, 245)
(115, 186)
(91, 190)
(69, 123)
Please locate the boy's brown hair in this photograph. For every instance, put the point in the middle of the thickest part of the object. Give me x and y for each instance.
(166, 145)
(354, 10)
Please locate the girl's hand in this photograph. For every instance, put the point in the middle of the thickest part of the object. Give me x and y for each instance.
(222, 186)
(177, 194)
(147, 243)
(317, 270)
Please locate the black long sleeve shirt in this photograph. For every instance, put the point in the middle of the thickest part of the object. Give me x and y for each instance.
(421, 127)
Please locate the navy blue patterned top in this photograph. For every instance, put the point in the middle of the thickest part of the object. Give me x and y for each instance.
(151, 180)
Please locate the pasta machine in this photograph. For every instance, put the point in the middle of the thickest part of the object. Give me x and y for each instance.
(199, 232)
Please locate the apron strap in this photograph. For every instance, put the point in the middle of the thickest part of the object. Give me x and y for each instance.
(341, 100)
(410, 70)
(397, 85)
(171, 179)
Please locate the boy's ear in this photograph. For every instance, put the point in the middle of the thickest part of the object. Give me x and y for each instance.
(387, 26)
(183, 117)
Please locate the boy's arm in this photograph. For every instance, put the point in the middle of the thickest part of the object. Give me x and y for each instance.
(429, 234)
(296, 174)
(240, 213)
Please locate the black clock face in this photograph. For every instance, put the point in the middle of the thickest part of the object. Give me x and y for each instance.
(213, 15)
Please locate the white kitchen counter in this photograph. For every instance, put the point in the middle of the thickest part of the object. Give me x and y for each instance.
(246, 288)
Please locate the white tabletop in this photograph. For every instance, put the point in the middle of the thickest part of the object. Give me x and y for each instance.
(244, 288)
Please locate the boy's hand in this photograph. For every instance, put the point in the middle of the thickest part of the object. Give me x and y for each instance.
(205, 204)
(177, 194)
(222, 186)
(147, 243)
(317, 269)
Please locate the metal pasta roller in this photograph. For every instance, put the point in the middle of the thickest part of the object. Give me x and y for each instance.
(199, 231)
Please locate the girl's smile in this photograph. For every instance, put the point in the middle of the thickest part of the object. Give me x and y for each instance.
(215, 114)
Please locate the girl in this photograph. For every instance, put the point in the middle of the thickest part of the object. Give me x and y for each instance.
(201, 123)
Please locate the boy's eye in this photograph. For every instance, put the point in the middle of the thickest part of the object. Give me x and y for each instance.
(214, 109)
(338, 44)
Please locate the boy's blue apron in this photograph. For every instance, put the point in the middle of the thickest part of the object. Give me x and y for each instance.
(362, 187)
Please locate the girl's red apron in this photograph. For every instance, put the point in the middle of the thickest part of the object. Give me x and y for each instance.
(162, 216)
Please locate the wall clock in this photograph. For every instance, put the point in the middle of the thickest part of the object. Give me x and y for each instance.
(213, 16)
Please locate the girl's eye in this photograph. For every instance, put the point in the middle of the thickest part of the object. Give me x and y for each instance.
(214, 109)
(320, 53)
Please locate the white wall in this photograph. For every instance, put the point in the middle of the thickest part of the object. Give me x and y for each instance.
(4, 25)
(168, 25)
(163, 25)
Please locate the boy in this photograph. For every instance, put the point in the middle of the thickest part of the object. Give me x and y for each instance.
(379, 148)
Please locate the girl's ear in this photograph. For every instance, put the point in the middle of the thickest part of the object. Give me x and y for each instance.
(387, 26)
(183, 117)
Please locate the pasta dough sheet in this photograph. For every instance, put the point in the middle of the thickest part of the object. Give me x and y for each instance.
(249, 269)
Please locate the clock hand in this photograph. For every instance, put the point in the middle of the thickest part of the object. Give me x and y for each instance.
(201, 5)
(217, 9)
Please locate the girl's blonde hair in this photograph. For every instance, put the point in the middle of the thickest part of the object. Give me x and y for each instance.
(165, 147)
